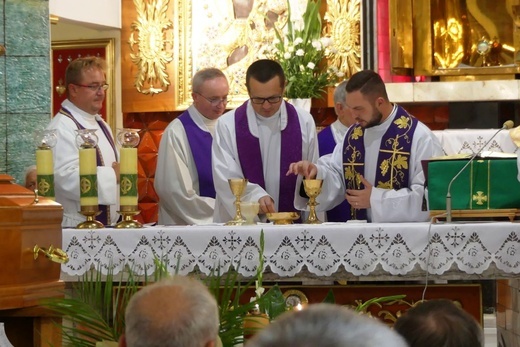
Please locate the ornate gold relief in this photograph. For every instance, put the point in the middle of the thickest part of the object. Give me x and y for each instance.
(401, 36)
(343, 26)
(151, 50)
(448, 37)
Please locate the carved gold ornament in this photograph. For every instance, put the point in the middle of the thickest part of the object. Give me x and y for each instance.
(448, 45)
(151, 51)
(343, 20)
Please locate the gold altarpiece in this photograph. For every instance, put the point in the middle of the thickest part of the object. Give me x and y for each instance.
(164, 42)
(455, 39)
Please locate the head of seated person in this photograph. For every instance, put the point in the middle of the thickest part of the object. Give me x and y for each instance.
(175, 312)
(439, 323)
(326, 325)
(30, 177)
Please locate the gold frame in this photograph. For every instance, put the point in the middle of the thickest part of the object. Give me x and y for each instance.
(416, 57)
(337, 17)
(109, 46)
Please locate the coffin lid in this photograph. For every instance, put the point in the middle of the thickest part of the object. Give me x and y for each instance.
(18, 205)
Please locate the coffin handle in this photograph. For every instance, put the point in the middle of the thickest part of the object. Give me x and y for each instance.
(54, 254)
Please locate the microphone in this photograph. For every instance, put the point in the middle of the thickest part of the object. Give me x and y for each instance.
(507, 125)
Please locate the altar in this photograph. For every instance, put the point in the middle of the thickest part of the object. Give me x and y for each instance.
(298, 252)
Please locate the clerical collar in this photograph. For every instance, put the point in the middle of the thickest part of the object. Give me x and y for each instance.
(209, 123)
(389, 118)
(275, 116)
(72, 107)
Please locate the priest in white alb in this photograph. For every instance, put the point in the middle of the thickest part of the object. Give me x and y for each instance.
(183, 177)
(258, 141)
(377, 168)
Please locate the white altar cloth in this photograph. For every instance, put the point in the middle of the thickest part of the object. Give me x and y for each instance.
(322, 250)
(470, 141)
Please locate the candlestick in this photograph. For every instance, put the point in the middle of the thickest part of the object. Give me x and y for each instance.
(45, 140)
(88, 177)
(128, 177)
(86, 140)
(128, 196)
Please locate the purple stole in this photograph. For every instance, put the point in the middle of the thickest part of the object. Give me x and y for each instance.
(326, 144)
(393, 161)
(104, 216)
(250, 157)
(200, 144)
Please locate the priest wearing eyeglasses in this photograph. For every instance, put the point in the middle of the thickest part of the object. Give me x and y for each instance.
(258, 141)
(183, 176)
(86, 86)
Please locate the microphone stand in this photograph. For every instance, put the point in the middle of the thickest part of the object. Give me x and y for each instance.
(507, 125)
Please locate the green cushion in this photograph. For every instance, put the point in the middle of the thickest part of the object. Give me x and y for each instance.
(484, 184)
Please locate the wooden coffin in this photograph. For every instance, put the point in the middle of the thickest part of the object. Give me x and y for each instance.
(26, 222)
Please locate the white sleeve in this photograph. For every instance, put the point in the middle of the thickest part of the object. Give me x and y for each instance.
(226, 165)
(405, 205)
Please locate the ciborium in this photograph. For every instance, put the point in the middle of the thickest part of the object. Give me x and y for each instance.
(237, 185)
(312, 189)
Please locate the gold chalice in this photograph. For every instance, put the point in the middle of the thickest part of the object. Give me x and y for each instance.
(313, 189)
(237, 186)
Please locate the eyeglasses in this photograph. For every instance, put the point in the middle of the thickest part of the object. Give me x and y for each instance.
(271, 100)
(216, 101)
(93, 87)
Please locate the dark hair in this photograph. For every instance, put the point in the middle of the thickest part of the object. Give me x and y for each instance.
(439, 323)
(369, 83)
(263, 71)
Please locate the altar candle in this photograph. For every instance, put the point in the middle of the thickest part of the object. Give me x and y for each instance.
(128, 177)
(45, 173)
(88, 177)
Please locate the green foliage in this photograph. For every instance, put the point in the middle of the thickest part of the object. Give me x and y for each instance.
(301, 50)
(330, 298)
(95, 310)
(363, 306)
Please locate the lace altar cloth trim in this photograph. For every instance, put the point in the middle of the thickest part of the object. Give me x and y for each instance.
(469, 141)
(322, 249)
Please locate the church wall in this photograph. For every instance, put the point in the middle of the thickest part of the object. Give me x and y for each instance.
(24, 85)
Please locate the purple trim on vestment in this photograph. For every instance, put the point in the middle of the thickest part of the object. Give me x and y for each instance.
(248, 148)
(354, 155)
(326, 144)
(403, 136)
(200, 144)
(250, 156)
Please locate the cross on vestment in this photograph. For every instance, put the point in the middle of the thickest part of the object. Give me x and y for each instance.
(480, 198)
(394, 152)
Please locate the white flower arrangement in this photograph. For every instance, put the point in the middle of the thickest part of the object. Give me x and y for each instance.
(301, 50)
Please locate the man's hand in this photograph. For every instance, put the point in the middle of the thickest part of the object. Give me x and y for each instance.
(360, 198)
(304, 167)
(115, 166)
(266, 204)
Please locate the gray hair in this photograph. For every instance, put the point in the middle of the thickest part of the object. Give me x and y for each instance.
(175, 312)
(204, 75)
(326, 325)
(340, 93)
